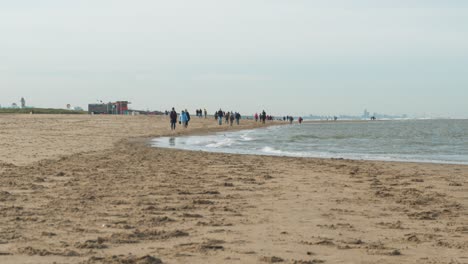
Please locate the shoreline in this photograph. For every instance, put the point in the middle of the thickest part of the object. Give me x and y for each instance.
(319, 158)
(150, 143)
(106, 197)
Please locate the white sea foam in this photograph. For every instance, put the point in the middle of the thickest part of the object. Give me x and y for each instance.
(222, 143)
(271, 150)
(246, 138)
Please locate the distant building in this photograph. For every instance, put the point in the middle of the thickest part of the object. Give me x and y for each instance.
(23, 102)
(121, 107)
(366, 114)
(100, 108)
(116, 108)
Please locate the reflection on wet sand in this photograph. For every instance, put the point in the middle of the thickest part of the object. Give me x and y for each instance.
(172, 141)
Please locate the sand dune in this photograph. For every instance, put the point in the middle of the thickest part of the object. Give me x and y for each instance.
(88, 189)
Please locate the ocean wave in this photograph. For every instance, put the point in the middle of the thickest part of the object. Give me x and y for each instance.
(271, 150)
(246, 138)
(223, 143)
(300, 138)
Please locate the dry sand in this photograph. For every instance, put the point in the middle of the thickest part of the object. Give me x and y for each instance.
(87, 189)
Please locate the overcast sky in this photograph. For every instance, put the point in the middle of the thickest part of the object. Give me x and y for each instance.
(284, 56)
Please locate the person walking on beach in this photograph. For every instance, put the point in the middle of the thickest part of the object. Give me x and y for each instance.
(263, 116)
(173, 117)
(205, 112)
(188, 118)
(256, 117)
(231, 118)
(238, 117)
(183, 119)
(300, 120)
(220, 117)
(227, 118)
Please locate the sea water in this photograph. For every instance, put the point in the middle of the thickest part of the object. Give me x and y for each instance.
(435, 141)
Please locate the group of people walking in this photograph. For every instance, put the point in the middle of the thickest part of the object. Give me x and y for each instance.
(263, 117)
(229, 117)
(220, 116)
(184, 118)
(200, 113)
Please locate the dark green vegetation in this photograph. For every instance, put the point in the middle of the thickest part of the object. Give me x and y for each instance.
(39, 111)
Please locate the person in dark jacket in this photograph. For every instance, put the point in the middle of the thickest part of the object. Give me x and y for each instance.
(231, 118)
(238, 117)
(173, 117)
(220, 117)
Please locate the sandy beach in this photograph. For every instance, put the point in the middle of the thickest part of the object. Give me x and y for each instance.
(89, 189)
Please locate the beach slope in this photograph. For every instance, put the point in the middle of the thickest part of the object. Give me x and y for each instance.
(89, 189)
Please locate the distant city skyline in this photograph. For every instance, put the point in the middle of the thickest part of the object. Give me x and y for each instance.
(365, 115)
(287, 57)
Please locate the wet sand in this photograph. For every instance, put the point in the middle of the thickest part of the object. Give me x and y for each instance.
(88, 189)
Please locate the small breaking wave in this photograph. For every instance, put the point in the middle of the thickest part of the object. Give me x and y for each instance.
(223, 143)
(272, 150)
(246, 138)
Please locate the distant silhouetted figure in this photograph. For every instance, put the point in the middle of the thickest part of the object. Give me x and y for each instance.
(227, 115)
(220, 117)
(238, 117)
(231, 118)
(188, 118)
